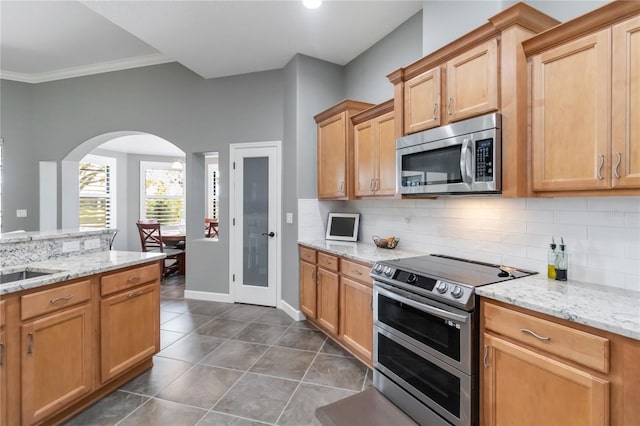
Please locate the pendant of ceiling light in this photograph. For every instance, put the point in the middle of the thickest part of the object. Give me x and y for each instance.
(312, 4)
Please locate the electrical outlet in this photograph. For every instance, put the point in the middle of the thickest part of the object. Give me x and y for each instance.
(93, 243)
(289, 217)
(69, 246)
(21, 213)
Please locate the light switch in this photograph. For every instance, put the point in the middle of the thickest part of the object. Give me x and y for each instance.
(21, 213)
(289, 217)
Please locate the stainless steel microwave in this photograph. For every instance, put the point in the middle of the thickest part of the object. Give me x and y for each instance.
(459, 158)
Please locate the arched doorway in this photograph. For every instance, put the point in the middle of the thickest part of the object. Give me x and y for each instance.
(106, 183)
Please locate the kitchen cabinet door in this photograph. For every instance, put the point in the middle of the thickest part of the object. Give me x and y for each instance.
(332, 157)
(57, 361)
(386, 155)
(422, 101)
(571, 116)
(308, 289)
(129, 329)
(472, 82)
(328, 300)
(356, 319)
(523, 387)
(364, 147)
(626, 104)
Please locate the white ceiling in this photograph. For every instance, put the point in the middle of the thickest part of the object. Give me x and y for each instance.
(143, 144)
(50, 40)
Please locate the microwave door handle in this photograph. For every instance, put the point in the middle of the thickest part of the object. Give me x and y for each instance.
(465, 162)
(422, 307)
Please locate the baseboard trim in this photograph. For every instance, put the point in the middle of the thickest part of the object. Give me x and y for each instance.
(208, 296)
(291, 311)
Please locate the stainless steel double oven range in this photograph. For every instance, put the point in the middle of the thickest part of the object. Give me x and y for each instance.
(426, 335)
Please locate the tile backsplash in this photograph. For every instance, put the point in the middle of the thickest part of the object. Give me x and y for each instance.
(602, 234)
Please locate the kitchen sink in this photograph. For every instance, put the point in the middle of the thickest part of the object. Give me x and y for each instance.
(22, 275)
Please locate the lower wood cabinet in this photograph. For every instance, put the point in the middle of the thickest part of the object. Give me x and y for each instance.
(336, 295)
(540, 370)
(57, 361)
(129, 329)
(524, 387)
(65, 345)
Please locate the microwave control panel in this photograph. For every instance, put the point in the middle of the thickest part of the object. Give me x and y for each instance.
(484, 160)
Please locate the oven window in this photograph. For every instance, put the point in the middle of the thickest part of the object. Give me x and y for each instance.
(432, 381)
(428, 329)
(433, 167)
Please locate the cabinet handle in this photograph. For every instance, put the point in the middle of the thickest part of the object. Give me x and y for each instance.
(377, 186)
(537, 336)
(371, 305)
(601, 166)
(435, 110)
(449, 105)
(30, 344)
(134, 279)
(486, 354)
(61, 299)
(372, 185)
(615, 171)
(313, 276)
(136, 294)
(355, 271)
(341, 186)
(2, 348)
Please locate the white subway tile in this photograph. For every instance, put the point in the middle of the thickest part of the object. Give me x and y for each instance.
(632, 219)
(537, 253)
(556, 203)
(590, 218)
(632, 282)
(613, 204)
(609, 234)
(632, 250)
(616, 264)
(490, 214)
(524, 262)
(524, 239)
(567, 231)
(540, 216)
(597, 276)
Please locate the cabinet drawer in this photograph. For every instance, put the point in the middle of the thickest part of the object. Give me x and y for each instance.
(308, 255)
(127, 279)
(327, 261)
(2, 314)
(356, 271)
(42, 302)
(584, 348)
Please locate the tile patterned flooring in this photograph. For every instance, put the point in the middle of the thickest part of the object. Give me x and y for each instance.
(231, 364)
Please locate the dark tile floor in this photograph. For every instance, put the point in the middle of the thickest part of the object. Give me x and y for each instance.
(231, 364)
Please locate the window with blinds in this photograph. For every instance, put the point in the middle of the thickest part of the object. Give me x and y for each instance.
(162, 190)
(97, 198)
(212, 190)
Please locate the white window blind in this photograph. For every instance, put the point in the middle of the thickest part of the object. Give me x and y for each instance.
(212, 191)
(162, 193)
(97, 192)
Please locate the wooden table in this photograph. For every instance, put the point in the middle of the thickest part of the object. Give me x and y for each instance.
(173, 239)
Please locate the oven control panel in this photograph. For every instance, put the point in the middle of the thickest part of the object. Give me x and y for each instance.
(439, 289)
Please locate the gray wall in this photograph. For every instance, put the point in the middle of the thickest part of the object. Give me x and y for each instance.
(20, 160)
(366, 76)
(167, 100)
(445, 21)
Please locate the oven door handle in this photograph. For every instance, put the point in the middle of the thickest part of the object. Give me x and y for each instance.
(422, 307)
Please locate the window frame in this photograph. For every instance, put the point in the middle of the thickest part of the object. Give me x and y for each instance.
(161, 165)
(111, 163)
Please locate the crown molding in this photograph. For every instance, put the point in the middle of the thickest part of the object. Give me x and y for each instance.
(99, 68)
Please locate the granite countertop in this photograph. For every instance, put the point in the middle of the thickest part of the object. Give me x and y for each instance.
(20, 236)
(361, 251)
(67, 268)
(605, 308)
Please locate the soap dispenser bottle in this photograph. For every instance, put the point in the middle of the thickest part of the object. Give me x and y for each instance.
(551, 260)
(562, 262)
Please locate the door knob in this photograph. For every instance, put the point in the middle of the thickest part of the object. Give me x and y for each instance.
(270, 234)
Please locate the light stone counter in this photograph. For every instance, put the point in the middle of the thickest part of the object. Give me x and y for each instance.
(605, 308)
(67, 268)
(361, 251)
(19, 236)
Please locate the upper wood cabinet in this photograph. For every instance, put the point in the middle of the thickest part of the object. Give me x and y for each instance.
(481, 72)
(375, 151)
(472, 82)
(335, 150)
(585, 97)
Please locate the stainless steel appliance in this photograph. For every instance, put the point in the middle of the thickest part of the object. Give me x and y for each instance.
(426, 334)
(459, 158)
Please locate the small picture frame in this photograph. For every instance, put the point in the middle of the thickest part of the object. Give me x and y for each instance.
(343, 226)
